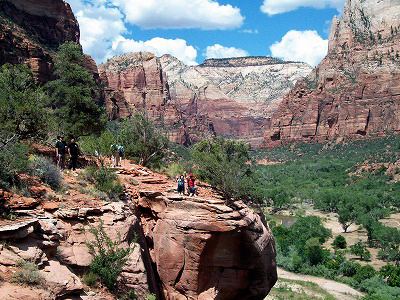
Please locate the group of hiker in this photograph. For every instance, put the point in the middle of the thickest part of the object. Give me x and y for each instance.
(72, 149)
(191, 187)
(62, 149)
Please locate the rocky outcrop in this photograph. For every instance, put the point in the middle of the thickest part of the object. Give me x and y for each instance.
(203, 249)
(56, 242)
(230, 97)
(31, 30)
(355, 90)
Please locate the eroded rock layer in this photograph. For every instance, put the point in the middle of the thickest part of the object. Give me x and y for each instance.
(31, 30)
(355, 90)
(203, 249)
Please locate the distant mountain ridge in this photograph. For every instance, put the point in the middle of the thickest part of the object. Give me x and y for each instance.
(355, 91)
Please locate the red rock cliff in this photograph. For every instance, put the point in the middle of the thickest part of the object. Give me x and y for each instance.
(31, 30)
(355, 90)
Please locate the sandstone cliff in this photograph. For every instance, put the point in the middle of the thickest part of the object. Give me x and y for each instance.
(355, 90)
(230, 97)
(186, 247)
(31, 30)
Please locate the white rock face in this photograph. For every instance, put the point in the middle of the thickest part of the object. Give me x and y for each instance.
(251, 81)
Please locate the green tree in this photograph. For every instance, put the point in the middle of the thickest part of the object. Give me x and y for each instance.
(340, 242)
(360, 249)
(21, 105)
(142, 141)
(73, 94)
(225, 165)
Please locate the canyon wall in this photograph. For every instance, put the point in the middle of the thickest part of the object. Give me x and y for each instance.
(31, 31)
(355, 91)
(229, 97)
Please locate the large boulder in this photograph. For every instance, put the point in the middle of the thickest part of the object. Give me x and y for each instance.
(204, 249)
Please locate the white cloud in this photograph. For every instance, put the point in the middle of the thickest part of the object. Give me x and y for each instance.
(158, 46)
(203, 14)
(306, 46)
(218, 51)
(99, 26)
(250, 31)
(273, 7)
(102, 28)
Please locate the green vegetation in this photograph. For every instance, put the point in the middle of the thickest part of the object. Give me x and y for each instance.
(298, 290)
(73, 95)
(109, 258)
(28, 274)
(225, 165)
(46, 171)
(142, 141)
(105, 180)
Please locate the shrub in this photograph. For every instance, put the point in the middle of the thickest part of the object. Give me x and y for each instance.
(224, 164)
(340, 242)
(364, 272)
(349, 268)
(392, 274)
(46, 171)
(90, 279)
(28, 274)
(13, 160)
(360, 249)
(109, 257)
(105, 180)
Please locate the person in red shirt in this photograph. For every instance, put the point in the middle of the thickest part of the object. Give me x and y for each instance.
(191, 187)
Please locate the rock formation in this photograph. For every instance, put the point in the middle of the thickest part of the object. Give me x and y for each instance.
(31, 30)
(231, 97)
(355, 90)
(203, 249)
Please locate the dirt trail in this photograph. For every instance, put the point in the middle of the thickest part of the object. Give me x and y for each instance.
(339, 290)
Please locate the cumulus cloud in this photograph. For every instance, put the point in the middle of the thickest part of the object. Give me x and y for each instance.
(102, 28)
(158, 46)
(218, 51)
(306, 46)
(203, 14)
(273, 7)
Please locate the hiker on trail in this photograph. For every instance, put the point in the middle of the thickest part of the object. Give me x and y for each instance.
(120, 154)
(191, 187)
(181, 185)
(114, 155)
(73, 151)
(61, 151)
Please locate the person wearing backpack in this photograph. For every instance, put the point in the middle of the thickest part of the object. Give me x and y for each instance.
(120, 154)
(181, 185)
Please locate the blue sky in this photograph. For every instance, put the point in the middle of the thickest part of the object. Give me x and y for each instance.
(193, 30)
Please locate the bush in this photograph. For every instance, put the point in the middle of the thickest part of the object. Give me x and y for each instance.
(392, 274)
(225, 165)
(349, 268)
(340, 242)
(90, 279)
(142, 141)
(105, 180)
(109, 257)
(364, 272)
(360, 249)
(27, 275)
(13, 160)
(46, 171)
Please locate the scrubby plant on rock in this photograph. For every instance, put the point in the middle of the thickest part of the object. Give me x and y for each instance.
(108, 256)
(44, 169)
(28, 274)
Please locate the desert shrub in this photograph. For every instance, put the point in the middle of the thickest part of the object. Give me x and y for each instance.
(392, 274)
(335, 260)
(105, 180)
(225, 165)
(364, 272)
(90, 279)
(151, 297)
(377, 289)
(28, 274)
(46, 171)
(340, 242)
(349, 268)
(360, 249)
(143, 141)
(109, 257)
(13, 160)
(318, 270)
